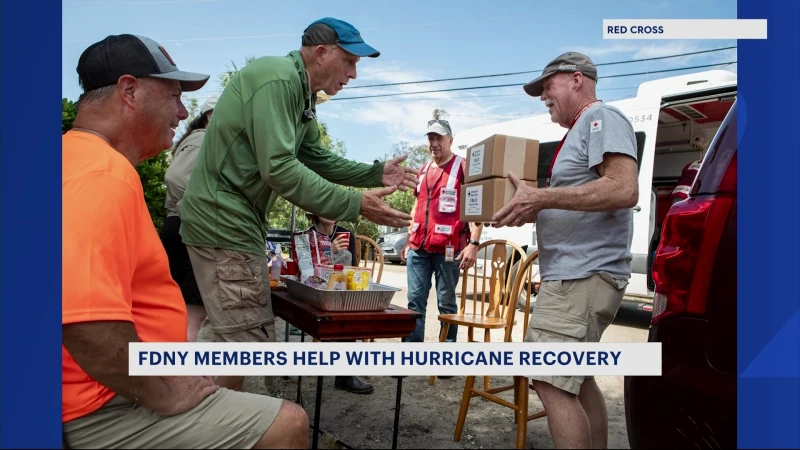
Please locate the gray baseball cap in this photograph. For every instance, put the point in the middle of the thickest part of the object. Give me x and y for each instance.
(569, 62)
(104, 62)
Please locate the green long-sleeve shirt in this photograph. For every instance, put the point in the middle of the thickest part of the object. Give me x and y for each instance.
(257, 148)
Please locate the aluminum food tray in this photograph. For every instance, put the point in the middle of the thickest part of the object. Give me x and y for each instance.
(377, 298)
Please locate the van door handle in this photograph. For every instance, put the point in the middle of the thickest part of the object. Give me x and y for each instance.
(637, 208)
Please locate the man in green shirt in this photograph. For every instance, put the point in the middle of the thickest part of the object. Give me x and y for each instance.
(263, 142)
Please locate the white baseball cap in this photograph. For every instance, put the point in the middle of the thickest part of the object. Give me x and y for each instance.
(440, 127)
(209, 104)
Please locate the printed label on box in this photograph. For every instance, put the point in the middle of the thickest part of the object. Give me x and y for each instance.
(476, 160)
(474, 201)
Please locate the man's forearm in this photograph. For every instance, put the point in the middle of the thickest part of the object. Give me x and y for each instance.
(340, 170)
(603, 194)
(477, 229)
(101, 350)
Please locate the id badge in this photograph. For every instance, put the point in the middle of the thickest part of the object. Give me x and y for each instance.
(448, 253)
(448, 201)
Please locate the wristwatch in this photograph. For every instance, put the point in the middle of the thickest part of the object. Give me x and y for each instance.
(476, 243)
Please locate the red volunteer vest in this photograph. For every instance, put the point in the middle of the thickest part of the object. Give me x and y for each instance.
(436, 220)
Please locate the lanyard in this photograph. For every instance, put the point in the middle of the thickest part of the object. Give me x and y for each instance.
(560, 144)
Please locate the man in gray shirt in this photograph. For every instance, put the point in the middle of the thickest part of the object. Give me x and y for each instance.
(584, 226)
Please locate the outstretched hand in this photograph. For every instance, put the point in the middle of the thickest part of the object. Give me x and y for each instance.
(375, 210)
(395, 174)
(523, 207)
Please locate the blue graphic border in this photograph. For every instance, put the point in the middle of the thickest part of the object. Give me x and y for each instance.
(768, 236)
(30, 234)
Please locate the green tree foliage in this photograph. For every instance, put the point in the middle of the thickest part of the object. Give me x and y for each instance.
(418, 156)
(330, 143)
(68, 113)
(152, 172)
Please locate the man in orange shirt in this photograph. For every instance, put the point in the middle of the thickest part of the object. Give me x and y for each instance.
(117, 287)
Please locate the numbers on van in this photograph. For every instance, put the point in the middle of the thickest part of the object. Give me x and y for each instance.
(641, 118)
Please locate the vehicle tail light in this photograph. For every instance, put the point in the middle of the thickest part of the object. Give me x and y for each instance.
(684, 260)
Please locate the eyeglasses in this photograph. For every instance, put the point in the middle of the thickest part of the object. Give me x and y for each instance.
(444, 123)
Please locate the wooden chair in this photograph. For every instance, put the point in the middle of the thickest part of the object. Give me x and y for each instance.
(524, 285)
(495, 302)
(370, 253)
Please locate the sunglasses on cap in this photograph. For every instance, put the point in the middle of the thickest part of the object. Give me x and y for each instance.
(443, 122)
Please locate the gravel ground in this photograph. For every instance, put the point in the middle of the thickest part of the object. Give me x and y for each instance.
(429, 413)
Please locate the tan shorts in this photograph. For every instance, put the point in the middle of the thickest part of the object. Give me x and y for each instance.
(226, 419)
(235, 290)
(574, 311)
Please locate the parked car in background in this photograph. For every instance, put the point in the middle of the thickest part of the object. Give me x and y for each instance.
(693, 404)
(392, 244)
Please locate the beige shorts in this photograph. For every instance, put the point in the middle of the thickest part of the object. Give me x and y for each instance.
(226, 419)
(574, 311)
(235, 290)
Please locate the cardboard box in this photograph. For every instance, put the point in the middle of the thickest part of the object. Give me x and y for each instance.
(480, 200)
(500, 154)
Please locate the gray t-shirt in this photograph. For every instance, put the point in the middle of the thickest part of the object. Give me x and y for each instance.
(578, 244)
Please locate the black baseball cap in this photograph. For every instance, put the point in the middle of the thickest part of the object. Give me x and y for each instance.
(104, 62)
(334, 31)
(569, 62)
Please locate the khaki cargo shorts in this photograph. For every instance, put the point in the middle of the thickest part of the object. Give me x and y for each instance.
(574, 311)
(225, 419)
(235, 290)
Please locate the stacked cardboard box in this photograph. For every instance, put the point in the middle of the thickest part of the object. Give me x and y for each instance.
(487, 187)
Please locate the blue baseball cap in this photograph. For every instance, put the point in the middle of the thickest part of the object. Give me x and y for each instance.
(334, 31)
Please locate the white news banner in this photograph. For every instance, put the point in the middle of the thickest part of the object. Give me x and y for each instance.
(394, 358)
(684, 28)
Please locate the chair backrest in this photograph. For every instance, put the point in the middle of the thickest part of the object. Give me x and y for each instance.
(524, 284)
(369, 255)
(492, 289)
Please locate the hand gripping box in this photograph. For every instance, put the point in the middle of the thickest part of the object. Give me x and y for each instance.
(499, 154)
(480, 200)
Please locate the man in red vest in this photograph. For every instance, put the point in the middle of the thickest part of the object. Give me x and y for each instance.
(438, 242)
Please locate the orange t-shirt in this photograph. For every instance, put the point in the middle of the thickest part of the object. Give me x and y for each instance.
(114, 266)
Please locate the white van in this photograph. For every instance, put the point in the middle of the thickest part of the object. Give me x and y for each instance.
(672, 118)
